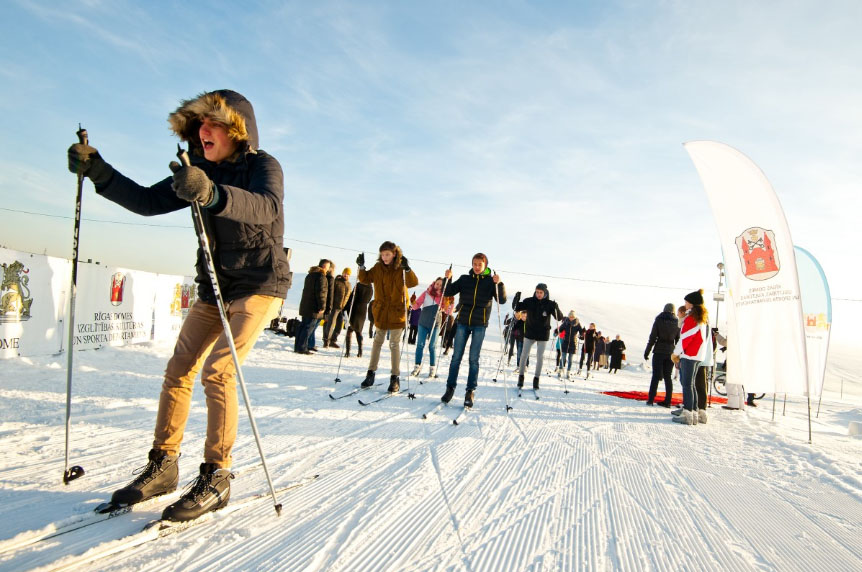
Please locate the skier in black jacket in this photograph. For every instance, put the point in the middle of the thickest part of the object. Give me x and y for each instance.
(537, 329)
(477, 290)
(240, 189)
(662, 339)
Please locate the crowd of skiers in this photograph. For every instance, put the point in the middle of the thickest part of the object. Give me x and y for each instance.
(235, 192)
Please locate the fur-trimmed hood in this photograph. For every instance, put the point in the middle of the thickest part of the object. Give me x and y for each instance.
(224, 106)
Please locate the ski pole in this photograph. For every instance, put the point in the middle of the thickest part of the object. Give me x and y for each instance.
(505, 386)
(406, 327)
(349, 314)
(205, 248)
(509, 334)
(72, 473)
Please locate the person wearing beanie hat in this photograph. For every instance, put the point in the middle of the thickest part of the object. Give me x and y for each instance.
(691, 349)
(569, 330)
(662, 339)
(335, 318)
(477, 290)
(539, 309)
(391, 276)
(240, 190)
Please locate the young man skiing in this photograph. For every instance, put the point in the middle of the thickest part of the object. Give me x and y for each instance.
(539, 309)
(241, 190)
(391, 276)
(478, 289)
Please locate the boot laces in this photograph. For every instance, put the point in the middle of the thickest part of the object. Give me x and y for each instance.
(199, 487)
(147, 472)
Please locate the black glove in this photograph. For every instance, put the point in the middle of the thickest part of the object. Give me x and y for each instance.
(360, 260)
(192, 184)
(405, 266)
(86, 160)
(646, 355)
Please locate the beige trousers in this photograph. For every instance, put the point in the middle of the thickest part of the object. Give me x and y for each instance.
(202, 346)
(394, 348)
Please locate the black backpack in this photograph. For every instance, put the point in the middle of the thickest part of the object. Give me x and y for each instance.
(291, 327)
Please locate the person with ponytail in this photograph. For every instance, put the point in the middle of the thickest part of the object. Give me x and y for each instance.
(690, 351)
(426, 306)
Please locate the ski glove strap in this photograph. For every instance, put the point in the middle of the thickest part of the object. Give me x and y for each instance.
(85, 160)
(192, 184)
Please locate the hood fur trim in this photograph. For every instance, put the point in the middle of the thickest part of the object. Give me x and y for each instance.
(186, 120)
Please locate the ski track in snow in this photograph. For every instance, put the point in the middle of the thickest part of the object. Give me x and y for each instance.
(577, 481)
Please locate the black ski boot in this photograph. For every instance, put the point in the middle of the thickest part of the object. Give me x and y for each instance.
(209, 492)
(394, 384)
(159, 476)
(468, 398)
(536, 382)
(447, 396)
(369, 379)
(520, 380)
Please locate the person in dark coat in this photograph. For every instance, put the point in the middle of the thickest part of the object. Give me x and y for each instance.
(539, 309)
(599, 358)
(616, 349)
(240, 189)
(335, 318)
(357, 306)
(413, 321)
(590, 339)
(662, 339)
(570, 331)
(312, 305)
(477, 291)
(447, 331)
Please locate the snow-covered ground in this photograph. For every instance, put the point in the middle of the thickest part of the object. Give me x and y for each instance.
(577, 481)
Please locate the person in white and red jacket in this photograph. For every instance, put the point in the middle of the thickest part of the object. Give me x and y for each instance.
(690, 351)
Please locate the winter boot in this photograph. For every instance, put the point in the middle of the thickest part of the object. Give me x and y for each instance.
(677, 412)
(416, 369)
(347, 345)
(326, 343)
(369, 379)
(702, 417)
(468, 398)
(432, 372)
(209, 492)
(536, 382)
(394, 384)
(686, 417)
(332, 344)
(358, 349)
(447, 396)
(159, 476)
(520, 380)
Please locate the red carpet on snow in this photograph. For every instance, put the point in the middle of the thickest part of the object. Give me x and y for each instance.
(675, 398)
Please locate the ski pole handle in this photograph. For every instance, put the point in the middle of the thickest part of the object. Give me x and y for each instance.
(183, 156)
(82, 135)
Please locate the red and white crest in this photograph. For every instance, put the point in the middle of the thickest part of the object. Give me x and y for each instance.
(118, 284)
(757, 253)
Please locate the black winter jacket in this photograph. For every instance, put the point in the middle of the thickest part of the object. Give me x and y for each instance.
(359, 308)
(590, 341)
(664, 334)
(539, 312)
(245, 227)
(314, 293)
(572, 329)
(477, 295)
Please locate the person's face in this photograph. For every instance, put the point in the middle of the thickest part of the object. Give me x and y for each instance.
(325, 268)
(386, 256)
(592, 326)
(478, 266)
(688, 306)
(216, 144)
(540, 294)
(438, 285)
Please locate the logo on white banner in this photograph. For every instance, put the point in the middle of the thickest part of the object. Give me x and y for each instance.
(118, 284)
(757, 253)
(15, 300)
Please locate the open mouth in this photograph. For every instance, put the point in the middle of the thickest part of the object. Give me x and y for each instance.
(207, 144)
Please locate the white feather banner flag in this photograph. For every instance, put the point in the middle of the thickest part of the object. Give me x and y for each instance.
(766, 339)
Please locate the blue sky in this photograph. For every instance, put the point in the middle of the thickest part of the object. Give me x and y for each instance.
(547, 135)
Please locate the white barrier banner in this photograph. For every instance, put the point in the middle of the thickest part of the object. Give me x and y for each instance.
(32, 303)
(766, 342)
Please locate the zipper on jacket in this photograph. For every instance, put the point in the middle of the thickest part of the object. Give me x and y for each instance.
(473, 307)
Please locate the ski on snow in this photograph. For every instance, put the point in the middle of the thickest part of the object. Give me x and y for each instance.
(433, 410)
(462, 416)
(535, 392)
(156, 529)
(353, 391)
(387, 396)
